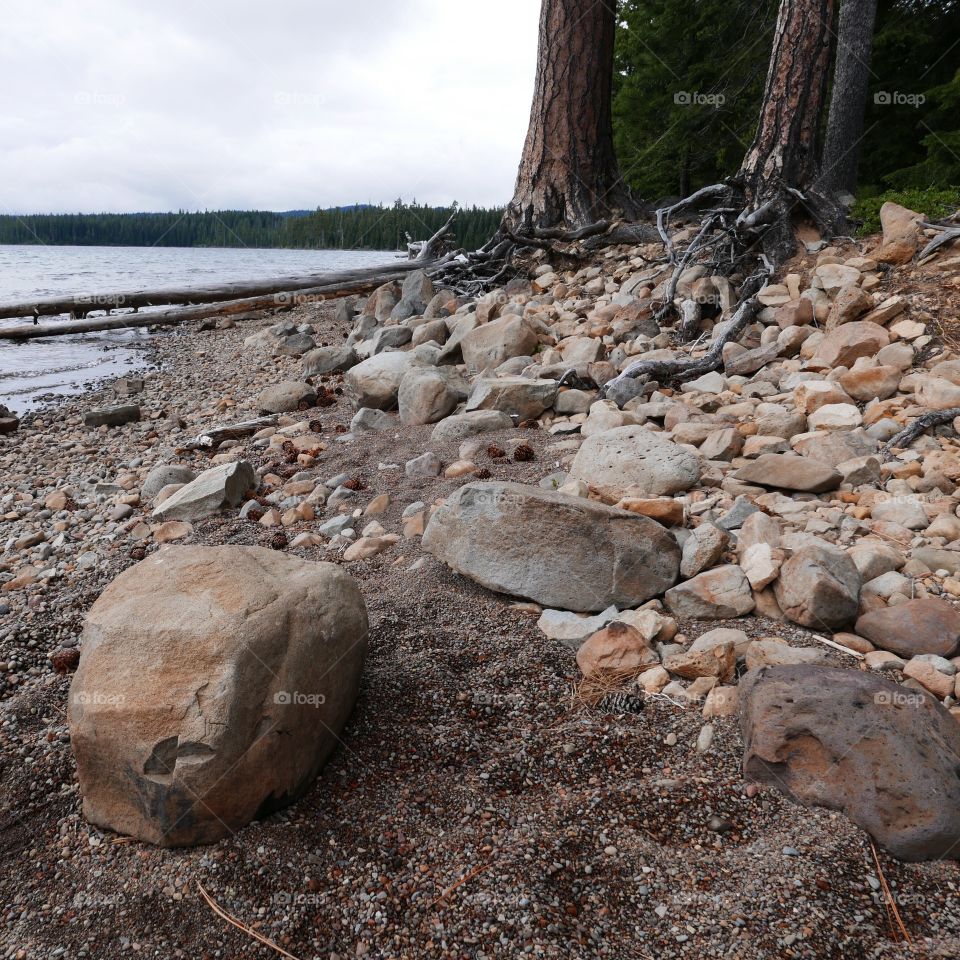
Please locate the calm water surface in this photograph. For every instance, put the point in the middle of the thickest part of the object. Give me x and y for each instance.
(39, 370)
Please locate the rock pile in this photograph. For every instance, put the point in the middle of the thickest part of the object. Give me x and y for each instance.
(765, 488)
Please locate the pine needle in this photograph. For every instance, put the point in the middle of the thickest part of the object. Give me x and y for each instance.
(890, 901)
(461, 881)
(240, 925)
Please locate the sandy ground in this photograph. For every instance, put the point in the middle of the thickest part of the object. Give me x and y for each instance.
(474, 809)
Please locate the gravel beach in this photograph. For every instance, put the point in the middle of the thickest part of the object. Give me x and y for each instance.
(476, 807)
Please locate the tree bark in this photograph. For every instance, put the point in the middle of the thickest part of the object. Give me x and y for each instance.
(784, 154)
(568, 176)
(848, 101)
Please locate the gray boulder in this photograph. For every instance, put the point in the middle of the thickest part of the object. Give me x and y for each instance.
(560, 551)
(325, 360)
(219, 487)
(490, 344)
(389, 338)
(425, 396)
(368, 419)
(617, 460)
(296, 345)
(112, 416)
(521, 396)
(462, 425)
(376, 382)
(418, 286)
(819, 587)
(286, 397)
(162, 475)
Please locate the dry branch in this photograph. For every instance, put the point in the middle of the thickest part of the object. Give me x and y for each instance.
(948, 235)
(689, 368)
(240, 925)
(936, 418)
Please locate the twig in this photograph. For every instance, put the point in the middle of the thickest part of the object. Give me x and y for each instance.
(240, 925)
(461, 881)
(891, 902)
(838, 646)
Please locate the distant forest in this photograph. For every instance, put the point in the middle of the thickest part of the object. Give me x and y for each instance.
(360, 227)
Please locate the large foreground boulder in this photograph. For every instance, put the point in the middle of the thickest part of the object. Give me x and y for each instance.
(635, 460)
(213, 684)
(884, 755)
(558, 550)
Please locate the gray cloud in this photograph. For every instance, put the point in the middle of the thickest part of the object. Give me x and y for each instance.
(114, 106)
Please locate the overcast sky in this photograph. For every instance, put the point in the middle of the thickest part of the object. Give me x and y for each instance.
(118, 105)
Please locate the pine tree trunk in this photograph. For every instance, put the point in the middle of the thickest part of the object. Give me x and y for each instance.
(848, 101)
(568, 176)
(784, 154)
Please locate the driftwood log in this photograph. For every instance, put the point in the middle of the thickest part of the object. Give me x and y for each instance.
(276, 300)
(366, 278)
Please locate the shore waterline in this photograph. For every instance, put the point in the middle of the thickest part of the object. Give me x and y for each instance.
(38, 371)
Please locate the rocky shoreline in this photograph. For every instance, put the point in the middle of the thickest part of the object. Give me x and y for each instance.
(494, 792)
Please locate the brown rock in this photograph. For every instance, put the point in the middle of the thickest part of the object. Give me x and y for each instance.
(845, 345)
(928, 625)
(901, 233)
(618, 648)
(796, 313)
(851, 302)
(719, 661)
(786, 472)
(885, 756)
(722, 701)
(717, 594)
(665, 510)
(871, 383)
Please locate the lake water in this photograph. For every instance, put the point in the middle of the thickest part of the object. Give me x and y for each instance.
(37, 371)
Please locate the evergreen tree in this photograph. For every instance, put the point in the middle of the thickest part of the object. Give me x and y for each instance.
(689, 81)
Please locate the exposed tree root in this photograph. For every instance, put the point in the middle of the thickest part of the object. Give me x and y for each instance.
(936, 418)
(682, 369)
(948, 235)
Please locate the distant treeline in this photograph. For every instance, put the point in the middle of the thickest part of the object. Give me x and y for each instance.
(360, 227)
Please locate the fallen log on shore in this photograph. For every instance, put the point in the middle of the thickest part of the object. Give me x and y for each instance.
(275, 300)
(83, 304)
